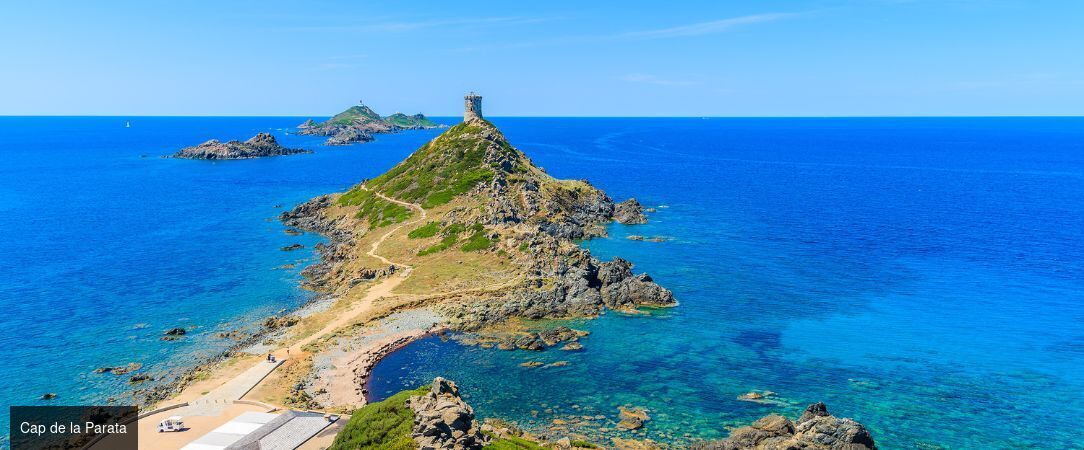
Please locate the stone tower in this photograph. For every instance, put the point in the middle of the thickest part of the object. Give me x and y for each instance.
(473, 107)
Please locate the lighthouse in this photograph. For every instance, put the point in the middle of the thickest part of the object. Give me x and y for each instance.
(472, 106)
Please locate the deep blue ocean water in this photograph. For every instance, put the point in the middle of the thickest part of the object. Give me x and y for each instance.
(924, 276)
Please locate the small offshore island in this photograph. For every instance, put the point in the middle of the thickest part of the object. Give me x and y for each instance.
(466, 235)
(359, 123)
(259, 146)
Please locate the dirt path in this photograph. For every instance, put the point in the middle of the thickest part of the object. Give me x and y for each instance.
(379, 290)
(372, 250)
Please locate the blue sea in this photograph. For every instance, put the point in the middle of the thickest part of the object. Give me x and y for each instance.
(924, 276)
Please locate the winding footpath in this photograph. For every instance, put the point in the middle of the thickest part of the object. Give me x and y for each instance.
(378, 290)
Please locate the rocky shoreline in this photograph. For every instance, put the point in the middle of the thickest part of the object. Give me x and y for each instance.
(440, 418)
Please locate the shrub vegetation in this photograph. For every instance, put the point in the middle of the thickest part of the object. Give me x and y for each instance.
(428, 230)
(382, 425)
(375, 210)
(450, 165)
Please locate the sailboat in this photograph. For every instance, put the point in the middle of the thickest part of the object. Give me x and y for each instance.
(127, 124)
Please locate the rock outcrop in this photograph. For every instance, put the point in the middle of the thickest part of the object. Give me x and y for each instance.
(442, 420)
(632, 418)
(814, 430)
(629, 212)
(359, 123)
(570, 288)
(261, 145)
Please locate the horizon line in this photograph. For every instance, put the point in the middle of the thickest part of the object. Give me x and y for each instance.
(841, 116)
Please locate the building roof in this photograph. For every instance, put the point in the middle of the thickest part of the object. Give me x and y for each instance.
(230, 432)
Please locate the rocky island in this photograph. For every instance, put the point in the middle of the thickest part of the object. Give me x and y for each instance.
(260, 145)
(359, 124)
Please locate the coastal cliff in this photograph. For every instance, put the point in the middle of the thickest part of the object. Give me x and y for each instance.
(359, 123)
(260, 145)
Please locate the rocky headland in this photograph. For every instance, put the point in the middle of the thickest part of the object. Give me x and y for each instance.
(488, 202)
(470, 230)
(260, 145)
(359, 123)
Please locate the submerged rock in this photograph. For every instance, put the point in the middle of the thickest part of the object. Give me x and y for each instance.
(636, 237)
(120, 370)
(632, 418)
(261, 145)
(173, 334)
(763, 397)
(136, 379)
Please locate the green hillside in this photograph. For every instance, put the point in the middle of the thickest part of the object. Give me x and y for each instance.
(450, 165)
(353, 114)
(416, 121)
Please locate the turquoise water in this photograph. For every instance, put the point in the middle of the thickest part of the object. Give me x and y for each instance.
(104, 249)
(920, 275)
(924, 276)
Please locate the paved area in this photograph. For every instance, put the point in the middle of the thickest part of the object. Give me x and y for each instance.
(150, 438)
(207, 413)
(223, 396)
(286, 432)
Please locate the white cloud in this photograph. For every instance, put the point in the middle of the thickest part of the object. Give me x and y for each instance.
(702, 28)
(696, 29)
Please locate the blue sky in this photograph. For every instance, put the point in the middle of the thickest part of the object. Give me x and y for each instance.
(550, 58)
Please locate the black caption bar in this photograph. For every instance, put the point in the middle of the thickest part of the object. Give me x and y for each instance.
(74, 427)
